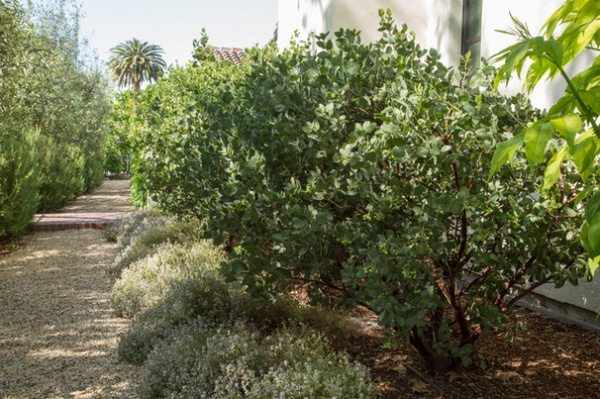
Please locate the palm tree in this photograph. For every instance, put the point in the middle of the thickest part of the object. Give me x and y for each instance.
(134, 62)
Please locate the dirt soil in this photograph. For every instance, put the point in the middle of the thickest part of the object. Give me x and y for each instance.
(58, 336)
(548, 360)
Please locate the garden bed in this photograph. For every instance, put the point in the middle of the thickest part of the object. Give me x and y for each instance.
(549, 359)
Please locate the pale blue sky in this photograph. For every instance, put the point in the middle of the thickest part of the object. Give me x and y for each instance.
(173, 24)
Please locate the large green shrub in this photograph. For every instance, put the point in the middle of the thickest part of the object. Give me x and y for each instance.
(61, 174)
(12, 55)
(179, 134)
(362, 171)
(18, 186)
(368, 174)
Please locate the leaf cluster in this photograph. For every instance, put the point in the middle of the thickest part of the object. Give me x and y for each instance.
(134, 62)
(566, 140)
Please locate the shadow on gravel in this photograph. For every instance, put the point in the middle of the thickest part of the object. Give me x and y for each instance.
(58, 335)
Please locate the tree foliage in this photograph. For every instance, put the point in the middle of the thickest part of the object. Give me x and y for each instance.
(119, 148)
(360, 171)
(567, 139)
(54, 101)
(134, 62)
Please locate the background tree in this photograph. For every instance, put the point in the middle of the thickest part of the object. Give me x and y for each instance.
(134, 62)
(54, 105)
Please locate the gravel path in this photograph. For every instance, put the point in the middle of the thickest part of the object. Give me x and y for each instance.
(58, 336)
(112, 196)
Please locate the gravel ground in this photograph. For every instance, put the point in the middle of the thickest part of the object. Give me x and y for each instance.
(58, 336)
(112, 196)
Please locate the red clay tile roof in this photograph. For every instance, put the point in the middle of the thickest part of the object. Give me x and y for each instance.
(232, 54)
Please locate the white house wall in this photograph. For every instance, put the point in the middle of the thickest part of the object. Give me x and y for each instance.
(436, 23)
(496, 16)
(303, 17)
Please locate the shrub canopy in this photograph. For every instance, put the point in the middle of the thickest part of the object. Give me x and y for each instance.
(360, 170)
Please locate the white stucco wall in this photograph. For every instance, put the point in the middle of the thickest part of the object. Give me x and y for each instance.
(496, 16)
(436, 23)
(586, 295)
(303, 16)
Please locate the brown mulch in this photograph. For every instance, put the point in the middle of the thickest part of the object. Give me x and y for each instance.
(549, 359)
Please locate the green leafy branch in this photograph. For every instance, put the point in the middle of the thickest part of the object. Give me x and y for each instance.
(570, 127)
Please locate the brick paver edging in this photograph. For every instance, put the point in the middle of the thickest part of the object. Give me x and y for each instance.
(66, 221)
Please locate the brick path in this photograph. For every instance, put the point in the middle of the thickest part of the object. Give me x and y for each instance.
(66, 221)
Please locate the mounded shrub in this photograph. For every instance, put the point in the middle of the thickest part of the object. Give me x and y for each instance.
(201, 361)
(181, 283)
(204, 296)
(303, 366)
(182, 331)
(188, 363)
(139, 236)
(18, 186)
(138, 342)
(148, 280)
